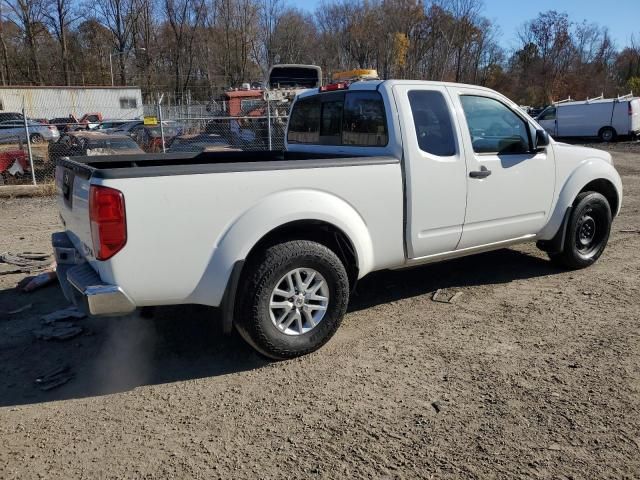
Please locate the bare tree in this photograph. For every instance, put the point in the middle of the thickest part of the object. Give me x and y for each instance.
(59, 16)
(28, 16)
(5, 71)
(144, 40)
(119, 16)
(294, 38)
(185, 17)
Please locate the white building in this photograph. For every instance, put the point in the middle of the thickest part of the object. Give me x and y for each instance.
(49, 102)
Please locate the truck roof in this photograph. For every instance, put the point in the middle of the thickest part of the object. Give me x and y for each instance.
(376, 84)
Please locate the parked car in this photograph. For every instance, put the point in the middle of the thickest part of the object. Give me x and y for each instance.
(90, 121)
(109, 126)
(603, 118)
(6, 116)
(128, 127)
(87, 143)
(376, 175)
(149, 137)
(12, 131)
(64, 124)
(199, 143)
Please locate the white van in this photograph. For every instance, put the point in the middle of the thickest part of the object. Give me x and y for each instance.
(603, 118)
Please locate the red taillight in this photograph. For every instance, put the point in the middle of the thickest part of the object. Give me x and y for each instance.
(108, 221)
(334, 86)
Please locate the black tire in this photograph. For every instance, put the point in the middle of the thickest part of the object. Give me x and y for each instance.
(263, 274)
(587, 232)
(36, 138)
(607, 134)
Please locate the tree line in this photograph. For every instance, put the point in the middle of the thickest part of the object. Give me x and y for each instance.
(197, 48)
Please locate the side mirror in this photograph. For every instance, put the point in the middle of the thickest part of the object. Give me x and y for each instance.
(541, 139)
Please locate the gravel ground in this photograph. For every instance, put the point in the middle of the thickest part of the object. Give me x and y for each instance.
(533, 373)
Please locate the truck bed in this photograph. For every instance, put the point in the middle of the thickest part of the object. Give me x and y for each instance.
(190, 217)
(151, 165)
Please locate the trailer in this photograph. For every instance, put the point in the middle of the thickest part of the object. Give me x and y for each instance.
(117, 103)
(606, 118)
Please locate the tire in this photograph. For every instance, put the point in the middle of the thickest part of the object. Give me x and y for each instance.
(305, 322)
(607, 134)
(587, 232)
(36, 138)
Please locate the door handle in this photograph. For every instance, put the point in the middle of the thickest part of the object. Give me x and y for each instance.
(484, 172)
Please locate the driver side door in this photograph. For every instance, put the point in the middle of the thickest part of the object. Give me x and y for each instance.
(509, 184)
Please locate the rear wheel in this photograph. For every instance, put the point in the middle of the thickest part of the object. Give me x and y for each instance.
(293, 298)
(587, 232)
(607, 134)
(36, 138)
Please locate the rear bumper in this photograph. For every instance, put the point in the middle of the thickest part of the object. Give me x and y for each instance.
(81, 284)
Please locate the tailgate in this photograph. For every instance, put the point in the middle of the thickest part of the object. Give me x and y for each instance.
(72, 185)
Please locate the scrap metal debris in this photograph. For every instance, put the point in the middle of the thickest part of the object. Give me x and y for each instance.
(29, 284)
(58, 331)
(63, 314)
(24, 262)
(54, 378)
(443, 297)
(633, 230)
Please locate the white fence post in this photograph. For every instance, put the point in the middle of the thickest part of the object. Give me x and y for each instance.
(164, 149)
(269, 122)
(26, 131)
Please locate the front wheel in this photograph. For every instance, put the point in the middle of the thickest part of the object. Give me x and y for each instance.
(293, 298)
(587, 232)
(36, 138)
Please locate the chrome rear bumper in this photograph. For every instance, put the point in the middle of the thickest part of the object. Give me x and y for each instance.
(81, 284)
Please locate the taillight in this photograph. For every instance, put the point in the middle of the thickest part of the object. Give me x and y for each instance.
(108, 221)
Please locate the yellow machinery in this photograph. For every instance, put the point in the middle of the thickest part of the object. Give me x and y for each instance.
(355, 75)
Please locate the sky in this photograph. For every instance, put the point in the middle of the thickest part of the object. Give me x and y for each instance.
(622, 17)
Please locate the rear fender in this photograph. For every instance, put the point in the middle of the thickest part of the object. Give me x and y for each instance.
(271, 212)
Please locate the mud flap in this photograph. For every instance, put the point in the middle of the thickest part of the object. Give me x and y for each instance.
(556, 244)
(228, 304)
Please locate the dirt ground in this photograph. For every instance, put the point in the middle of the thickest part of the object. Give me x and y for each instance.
(533, 373)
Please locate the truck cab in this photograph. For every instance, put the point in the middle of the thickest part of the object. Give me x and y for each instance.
(465, 150)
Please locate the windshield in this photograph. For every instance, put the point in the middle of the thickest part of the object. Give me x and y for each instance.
(288, 77)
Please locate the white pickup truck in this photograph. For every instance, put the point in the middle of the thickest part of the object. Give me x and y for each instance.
(375, 175)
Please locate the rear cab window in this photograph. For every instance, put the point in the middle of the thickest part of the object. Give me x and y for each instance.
(432, 121)
(355, 118)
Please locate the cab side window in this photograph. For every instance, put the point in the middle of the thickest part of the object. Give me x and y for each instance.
(433, 122)
(494, 127)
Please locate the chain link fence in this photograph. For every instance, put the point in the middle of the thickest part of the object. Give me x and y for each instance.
(38, 133)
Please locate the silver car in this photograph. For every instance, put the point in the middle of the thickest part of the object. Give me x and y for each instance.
(13, 131)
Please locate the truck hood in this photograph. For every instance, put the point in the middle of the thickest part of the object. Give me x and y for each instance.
(574, 152)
